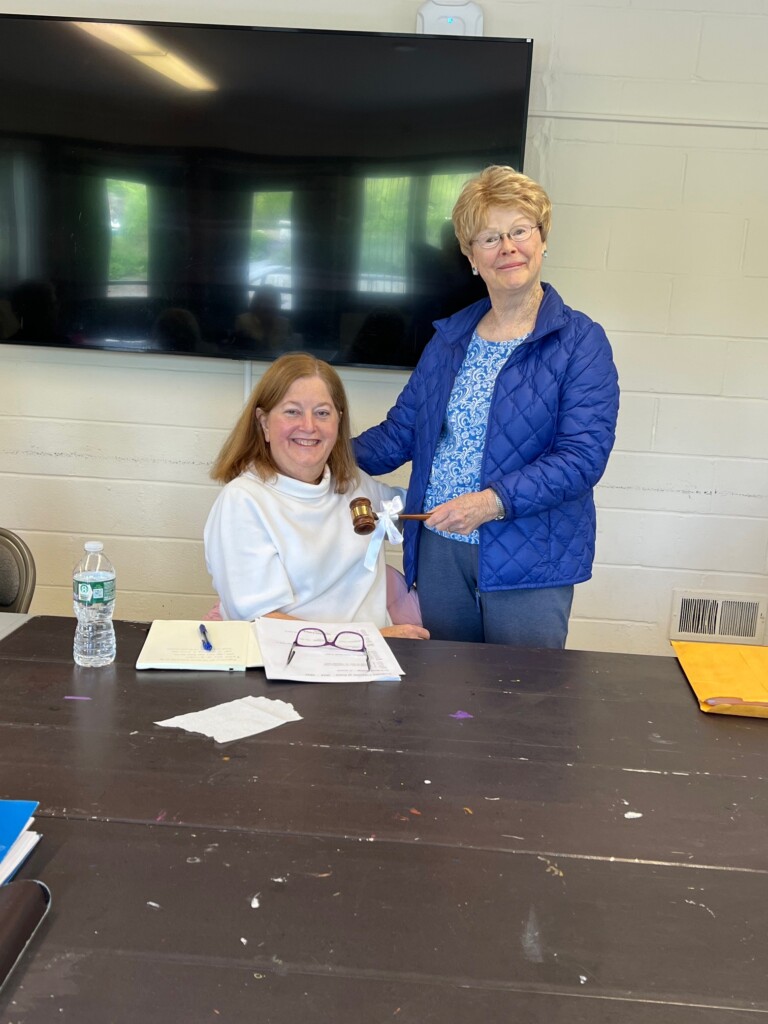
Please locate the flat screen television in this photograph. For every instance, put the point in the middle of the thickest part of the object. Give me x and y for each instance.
(242, 192)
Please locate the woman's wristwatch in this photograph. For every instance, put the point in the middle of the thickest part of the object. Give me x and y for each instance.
(501, 512)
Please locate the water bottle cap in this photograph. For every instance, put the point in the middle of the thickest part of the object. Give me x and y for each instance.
(94, 545)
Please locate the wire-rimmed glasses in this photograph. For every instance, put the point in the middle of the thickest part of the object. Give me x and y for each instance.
(345, 640)
(490, 239)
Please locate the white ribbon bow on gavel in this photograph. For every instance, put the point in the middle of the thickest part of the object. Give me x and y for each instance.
(385, 527)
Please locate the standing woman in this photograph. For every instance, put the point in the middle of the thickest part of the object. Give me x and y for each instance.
(508, 420)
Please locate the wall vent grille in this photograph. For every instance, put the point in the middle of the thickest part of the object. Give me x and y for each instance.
(719, 618)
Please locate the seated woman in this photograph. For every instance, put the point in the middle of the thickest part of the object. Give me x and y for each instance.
(279, 539)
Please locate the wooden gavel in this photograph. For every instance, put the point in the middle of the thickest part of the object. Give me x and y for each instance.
(364, 518)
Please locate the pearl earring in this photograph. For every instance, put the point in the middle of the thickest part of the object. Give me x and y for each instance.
(475, 271)
(545, 254)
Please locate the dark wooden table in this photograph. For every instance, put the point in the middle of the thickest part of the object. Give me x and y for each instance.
(587, 848)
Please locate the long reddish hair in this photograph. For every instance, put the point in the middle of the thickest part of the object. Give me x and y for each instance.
(247, 448)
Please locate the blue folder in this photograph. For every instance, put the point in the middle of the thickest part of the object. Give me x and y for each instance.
(14, 818)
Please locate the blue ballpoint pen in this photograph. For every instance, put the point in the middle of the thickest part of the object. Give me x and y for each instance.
(207, 645)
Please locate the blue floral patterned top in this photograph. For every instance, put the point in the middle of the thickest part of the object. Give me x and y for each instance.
(458, 457)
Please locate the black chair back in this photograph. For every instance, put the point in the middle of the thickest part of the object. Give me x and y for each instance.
(17, 573)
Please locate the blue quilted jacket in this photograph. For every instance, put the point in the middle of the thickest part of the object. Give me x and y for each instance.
(551, 427)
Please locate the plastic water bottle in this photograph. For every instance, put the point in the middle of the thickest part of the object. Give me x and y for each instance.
(93, 599)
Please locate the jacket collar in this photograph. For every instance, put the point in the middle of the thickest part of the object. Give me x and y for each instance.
(458, 328)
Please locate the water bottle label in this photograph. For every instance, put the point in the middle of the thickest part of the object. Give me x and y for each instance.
(94, 593)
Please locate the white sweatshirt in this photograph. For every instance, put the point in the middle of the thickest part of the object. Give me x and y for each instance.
(287, 546)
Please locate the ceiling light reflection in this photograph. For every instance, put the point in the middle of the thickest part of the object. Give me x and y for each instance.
(147, 51)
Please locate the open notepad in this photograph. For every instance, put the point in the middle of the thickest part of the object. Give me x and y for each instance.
(177, 644)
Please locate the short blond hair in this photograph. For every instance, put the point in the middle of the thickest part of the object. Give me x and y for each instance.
(247, 448)
(498, 185)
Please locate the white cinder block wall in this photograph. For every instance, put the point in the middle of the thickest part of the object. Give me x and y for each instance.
(649, 127)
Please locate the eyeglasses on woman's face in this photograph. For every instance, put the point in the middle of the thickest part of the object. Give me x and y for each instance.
(492, 239)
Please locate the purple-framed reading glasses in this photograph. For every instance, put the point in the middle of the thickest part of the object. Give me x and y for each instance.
(345, 640)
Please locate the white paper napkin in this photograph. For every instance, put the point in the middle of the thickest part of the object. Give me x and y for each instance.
(236, 719)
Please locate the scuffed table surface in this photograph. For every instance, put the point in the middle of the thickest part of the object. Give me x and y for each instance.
(586, 847)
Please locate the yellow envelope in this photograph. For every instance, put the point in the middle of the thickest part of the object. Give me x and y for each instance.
(729, 679)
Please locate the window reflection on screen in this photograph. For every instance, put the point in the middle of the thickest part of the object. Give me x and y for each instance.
(405, 220)
(264, 329)
(129, 238)
(383, 235)
(269, 254)
(443, 190)
(6, 217)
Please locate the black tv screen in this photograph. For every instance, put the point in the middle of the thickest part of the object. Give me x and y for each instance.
(242, 192)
